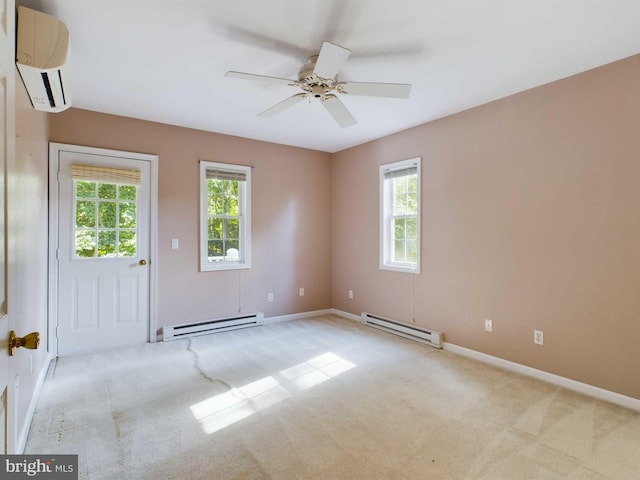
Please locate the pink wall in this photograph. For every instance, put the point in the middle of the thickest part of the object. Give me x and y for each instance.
(531, 218)
(291, 226)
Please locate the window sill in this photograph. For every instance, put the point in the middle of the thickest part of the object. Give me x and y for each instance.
(400, 268)
(224, 266)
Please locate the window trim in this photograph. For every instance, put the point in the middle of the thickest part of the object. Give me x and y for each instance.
(385, 215)
(245, 218)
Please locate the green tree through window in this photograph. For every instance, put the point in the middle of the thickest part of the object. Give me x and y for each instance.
(404, 219)
(105, 220)
(223, 239)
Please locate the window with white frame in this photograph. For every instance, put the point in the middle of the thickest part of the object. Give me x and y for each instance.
(105, 203)
(225, 219)
(400, 216)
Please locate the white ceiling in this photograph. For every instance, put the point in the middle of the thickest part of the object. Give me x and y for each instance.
(165, 60)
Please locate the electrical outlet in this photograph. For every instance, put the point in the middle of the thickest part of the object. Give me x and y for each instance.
(538, 337)
(175, 244)
(351, 294)
(302, 291)
(269, 297)
(488, 325)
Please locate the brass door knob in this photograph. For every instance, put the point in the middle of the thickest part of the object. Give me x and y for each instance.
(142, 262)
(31, 341)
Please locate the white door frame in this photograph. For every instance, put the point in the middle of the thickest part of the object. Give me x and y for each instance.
(54, 162)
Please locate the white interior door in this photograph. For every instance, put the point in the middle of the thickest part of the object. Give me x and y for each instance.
(7, 89)
(103, 251)
(4, 317)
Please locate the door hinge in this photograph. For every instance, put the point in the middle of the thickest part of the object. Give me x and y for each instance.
(57, 254)
(57, 331)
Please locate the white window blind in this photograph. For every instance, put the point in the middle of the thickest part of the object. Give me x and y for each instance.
(219, 174)
(91, 173)
(400, 172)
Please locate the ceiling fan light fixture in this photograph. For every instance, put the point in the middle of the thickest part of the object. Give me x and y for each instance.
(317, 91)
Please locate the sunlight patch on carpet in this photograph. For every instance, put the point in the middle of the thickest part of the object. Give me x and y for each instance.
(227, 408)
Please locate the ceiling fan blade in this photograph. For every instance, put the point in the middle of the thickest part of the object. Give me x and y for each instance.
(338, 111)
(253, 76)
(283, 105)
(397, 50)
(330, 59)
(264, 42)
(394, 90)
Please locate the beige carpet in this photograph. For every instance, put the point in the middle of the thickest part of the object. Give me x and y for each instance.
(323, 398)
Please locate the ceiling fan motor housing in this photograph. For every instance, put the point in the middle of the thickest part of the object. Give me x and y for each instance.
(316, 86)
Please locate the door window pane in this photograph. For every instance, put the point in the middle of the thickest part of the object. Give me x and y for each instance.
(107, 215)
(107, 243)
(127, 192)
(85, 214)
(105, 220)
(127, 215)
(127, 244)
(107, 190)
(85, 189)
(85, 243)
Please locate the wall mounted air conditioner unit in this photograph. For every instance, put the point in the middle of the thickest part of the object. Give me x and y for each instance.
(42, 48)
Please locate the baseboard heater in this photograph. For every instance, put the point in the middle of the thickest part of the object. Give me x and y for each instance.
(174, 332)
(408, 331)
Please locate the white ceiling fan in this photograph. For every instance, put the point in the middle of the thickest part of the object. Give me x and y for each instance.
(318, 78)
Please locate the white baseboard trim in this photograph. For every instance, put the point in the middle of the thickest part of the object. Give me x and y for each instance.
(21, 441)
(296, 316)
(584, 388)
(347, 315)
